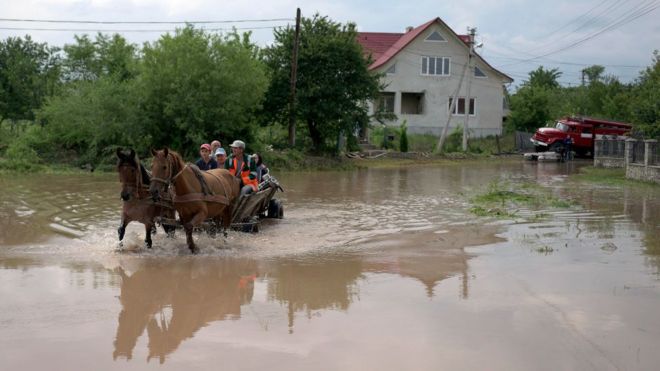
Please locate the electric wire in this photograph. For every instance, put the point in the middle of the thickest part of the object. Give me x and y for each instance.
(130, 30)
(647, 8)
(145, 22)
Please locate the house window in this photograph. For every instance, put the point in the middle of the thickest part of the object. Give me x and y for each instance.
(435, 36)
(385, 102)
(479, 73)
(412, 103)
(459, 108)
(391, 70)
(435, 66)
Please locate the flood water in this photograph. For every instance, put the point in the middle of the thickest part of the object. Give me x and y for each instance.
(376, 269)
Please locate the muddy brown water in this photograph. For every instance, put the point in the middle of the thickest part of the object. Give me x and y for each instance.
(377, 269)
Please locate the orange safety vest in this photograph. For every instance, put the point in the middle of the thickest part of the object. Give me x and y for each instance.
(245, 174)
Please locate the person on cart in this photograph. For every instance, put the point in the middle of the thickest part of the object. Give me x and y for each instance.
(241, 166)
(205, 161)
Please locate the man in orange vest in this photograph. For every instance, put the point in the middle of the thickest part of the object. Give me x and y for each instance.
(241, 166)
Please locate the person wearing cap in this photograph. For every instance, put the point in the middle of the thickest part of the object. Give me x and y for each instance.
(220, 156)
(214, 147)
(206, 162)
(241, 166)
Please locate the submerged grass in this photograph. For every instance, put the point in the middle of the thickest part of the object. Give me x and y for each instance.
(503, 199)
(610, 177)
(602, 175)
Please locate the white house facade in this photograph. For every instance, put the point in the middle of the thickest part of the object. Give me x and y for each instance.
(423, 68)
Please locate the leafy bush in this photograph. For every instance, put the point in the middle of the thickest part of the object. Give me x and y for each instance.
(403, 138)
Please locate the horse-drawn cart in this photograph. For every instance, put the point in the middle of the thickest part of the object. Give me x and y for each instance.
(248, 210)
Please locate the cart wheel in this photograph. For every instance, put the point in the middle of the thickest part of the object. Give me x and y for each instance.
(273, 208)
(280, 210)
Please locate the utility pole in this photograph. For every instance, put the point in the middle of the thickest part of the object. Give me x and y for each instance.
(443, 136)
(472, 33)
(294, 70)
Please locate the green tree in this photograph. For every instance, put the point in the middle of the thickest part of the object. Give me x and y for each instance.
(530, 108)
(90, 118)
(198, 86)
(403, 140)
(543, 78)
(105, 56)
(593, 73)
(29, 72)
(333, 80)
(646, 97)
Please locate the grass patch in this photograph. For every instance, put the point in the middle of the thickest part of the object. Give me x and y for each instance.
(501, 197)
(602, 175)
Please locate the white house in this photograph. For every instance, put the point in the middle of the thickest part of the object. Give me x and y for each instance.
(423, 68)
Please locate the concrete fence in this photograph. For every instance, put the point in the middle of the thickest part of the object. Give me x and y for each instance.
(640, 158)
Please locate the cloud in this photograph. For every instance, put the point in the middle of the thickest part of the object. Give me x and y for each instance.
(506, 27)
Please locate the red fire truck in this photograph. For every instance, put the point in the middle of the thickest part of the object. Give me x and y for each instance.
(582, 131)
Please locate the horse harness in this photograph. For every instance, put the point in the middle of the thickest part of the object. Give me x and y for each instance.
(141, 193)
(206, 195)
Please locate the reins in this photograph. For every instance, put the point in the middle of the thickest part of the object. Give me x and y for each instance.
(135, 189)
(170, 179)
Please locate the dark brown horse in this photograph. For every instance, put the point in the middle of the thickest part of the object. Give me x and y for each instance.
(199, 195)
(138, 205)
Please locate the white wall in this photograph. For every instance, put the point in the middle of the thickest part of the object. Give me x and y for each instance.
(438, 89)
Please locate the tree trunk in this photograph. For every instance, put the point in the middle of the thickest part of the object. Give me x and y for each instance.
(315, 134)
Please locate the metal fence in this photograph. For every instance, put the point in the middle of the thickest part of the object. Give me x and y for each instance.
(638, 152)
(610, 148)
(654, 158)
(523, 142)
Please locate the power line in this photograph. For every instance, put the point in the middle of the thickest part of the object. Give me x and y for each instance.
(144, 22)
(134, 30)
(637, 13)
(549, 36)
(551, 61)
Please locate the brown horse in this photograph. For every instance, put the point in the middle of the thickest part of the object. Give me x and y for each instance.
(199, 195)
(138, 205)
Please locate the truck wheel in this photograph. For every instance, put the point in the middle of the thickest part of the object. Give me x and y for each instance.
(556, 147)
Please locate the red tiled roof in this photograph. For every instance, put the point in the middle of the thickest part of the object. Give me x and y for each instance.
(384, 46)
(377, 43)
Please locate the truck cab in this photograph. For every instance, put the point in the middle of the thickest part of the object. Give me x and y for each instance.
(581, 130)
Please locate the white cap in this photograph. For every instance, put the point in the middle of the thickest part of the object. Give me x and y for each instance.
(238, 143)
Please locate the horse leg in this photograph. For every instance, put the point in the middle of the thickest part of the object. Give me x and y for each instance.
(148, 227)
(122, 229)
(226, 219)
(169, 230)
(189, 226)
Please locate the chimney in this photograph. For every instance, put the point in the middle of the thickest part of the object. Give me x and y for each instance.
(409, 28)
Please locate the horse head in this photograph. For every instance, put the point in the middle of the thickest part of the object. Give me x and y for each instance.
(129, 173)
(163, 167)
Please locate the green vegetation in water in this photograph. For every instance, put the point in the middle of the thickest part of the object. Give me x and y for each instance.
(502, 199)
(602, 175)
(611, 177)
(544, 250)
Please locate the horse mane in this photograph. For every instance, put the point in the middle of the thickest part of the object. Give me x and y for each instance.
(176, 157)
(146, 177)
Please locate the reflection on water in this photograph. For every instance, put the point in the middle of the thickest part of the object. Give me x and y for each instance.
(377, 269)
(173, 300)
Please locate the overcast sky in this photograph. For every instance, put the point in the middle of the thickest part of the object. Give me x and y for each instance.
(512, 32)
